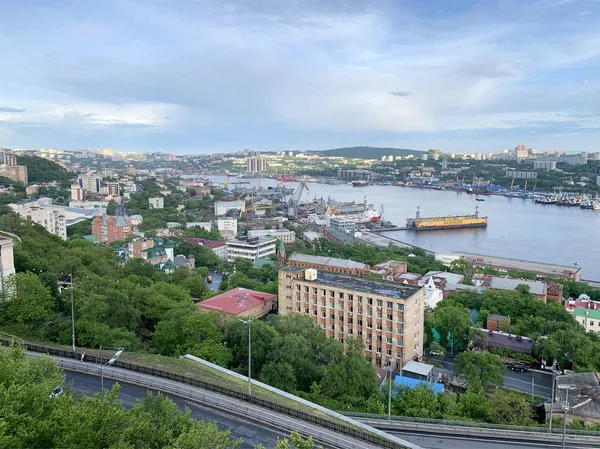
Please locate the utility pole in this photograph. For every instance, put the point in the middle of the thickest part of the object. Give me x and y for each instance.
(532, 390)
(390, 393)
(552, 399)
(72, 313)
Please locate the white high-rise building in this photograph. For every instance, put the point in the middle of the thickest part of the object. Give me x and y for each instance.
(53, 219)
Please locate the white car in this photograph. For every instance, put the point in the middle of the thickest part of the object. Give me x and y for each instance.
(56, 392)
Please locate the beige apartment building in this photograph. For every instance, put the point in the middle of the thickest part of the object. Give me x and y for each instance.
(387, 316)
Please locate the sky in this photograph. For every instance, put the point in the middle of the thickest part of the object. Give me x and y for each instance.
(196, 76)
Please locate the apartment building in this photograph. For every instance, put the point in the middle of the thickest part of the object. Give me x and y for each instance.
(156, 202)
(52, 218)
(90, 182)
(252, 249)
(219, 248)
(388, 317)
(108, 229)
(588, 318)
(7, 261)
(222, 207)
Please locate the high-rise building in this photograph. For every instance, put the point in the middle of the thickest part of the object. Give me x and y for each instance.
(252, 249)
(77, 192)
(445, 163)
(521, 151)
(10, 169)
(256, 164)
(387, 316)
(90, 182)
(113, 188)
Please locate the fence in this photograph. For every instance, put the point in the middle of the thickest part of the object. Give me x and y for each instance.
(468, 424)
(340, 428)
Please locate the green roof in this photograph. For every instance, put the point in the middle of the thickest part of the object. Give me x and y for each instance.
(259, 263)
(90, 238)
(587, 312)
(155, 252)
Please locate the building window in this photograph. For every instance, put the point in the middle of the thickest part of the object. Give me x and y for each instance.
(369, 312)
(314, 312)
(331, 316)
(323, 314)
(360, 322)
(369, 336)
(389, 328)
(332, 293)
(400, 331)
(591, 323)
(341, 329)
(359, 299)
(370, 301)
(369, 347)
(369, 325)
(350, 297)
(378, 349)
(400, 307)
(341, 340)
(390, 317)
(314, 290)
(399, 354)
(401, 319)
(332, 327)
(298, 287)
(350, 331)
(341, 295)
(298, 309)
(389, 341)
(379, 339)
(400, 341)
(332, 305)
(306, 311)
(388, 352)
(390, 305)
(306, 289)
(379, 303)
(341, 318)
(359, 333)
(351, 309)
(379, 326)
(323, 292)
(360, 311)
(323, 303)
(379, 314)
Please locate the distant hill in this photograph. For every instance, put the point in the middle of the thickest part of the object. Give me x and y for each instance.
(366, 152)
(43, 170)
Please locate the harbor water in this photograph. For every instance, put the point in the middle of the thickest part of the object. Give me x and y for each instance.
(517, 228)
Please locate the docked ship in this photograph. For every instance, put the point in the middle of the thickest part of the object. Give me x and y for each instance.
(361, 183)
(287, 178)
(450, 222)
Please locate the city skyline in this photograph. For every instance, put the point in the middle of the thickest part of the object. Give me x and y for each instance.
(223, 76)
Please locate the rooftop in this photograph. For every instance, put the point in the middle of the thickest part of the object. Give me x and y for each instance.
(584, 394)
(252, 242)
(210, 244)
(589, 313)
(329, 261)
(373, 286)
(497, 339)
(235, 301)
(450, 277)
(535, 287)
(423, 369)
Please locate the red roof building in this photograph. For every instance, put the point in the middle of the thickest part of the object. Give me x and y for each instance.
(240, 302)
(219, 248)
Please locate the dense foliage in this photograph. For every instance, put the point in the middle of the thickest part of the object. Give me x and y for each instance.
(33, 419)
(43, 170)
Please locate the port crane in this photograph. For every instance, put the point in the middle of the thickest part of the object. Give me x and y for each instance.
(294, 201)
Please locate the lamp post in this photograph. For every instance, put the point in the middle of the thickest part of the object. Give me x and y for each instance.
(72, 314)
(390, 390)
(249, 322)
(110, 362)
(565, 407)
(552, 399)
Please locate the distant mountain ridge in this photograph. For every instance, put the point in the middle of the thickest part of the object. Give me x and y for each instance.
(43, 170)
(367, 152)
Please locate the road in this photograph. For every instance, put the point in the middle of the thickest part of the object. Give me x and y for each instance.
(450, 442)
(216, 277)
(252, 434)
(513, 380)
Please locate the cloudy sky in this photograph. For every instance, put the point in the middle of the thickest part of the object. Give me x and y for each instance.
(201, 75)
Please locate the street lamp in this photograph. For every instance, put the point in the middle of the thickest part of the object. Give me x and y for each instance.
(72, 314)
(552, 398)
(390, 390)
(110, 362)
(565, 407)
(249, 322)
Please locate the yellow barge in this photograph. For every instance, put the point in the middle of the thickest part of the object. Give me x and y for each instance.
(450, 222)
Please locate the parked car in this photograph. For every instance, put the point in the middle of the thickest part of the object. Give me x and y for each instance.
(517, 367)
(56, 392)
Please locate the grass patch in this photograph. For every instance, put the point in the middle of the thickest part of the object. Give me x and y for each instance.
(536, 399)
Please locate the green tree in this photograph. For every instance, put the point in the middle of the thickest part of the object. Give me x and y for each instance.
(452, 322)
(506, 408)
(481, 369)
(29, 303)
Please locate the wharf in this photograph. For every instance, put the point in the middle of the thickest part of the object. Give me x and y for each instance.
(375, 238)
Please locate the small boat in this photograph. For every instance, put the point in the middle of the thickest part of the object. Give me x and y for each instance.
(479, 199)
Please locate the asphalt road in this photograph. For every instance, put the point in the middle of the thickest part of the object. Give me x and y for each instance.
(217, 277)
(513, 380)
(251, 433)
(449, 442)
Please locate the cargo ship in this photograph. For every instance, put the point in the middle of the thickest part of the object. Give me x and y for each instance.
(450, 222)
(286, 178)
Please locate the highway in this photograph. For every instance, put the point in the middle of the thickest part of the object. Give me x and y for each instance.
(251, 433)
(459, 442)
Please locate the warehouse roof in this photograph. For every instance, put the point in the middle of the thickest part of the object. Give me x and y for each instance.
(535, 287)
(329, 261)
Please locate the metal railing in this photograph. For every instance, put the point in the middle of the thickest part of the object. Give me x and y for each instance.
(328, 424)
(467, 424)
